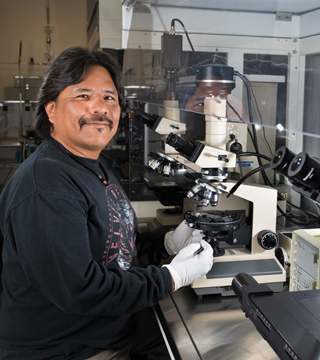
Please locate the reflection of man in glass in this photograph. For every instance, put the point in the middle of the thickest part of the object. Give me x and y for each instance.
(215, 80)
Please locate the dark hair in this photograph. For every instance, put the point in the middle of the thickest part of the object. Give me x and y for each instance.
(69, 68)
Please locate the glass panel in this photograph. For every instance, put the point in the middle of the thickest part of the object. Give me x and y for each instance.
(238, 89)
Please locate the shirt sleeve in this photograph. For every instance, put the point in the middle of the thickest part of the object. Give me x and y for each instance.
(50, 239)
(151, 250)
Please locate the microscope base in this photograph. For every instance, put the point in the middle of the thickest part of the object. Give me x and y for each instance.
(219, 278)
(228, 291)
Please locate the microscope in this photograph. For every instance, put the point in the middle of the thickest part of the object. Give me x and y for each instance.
(241, 227)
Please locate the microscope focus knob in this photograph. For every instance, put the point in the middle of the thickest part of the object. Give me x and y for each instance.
(267, 239)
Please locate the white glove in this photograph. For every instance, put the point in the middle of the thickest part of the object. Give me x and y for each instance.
(181, 237)
(185, 268)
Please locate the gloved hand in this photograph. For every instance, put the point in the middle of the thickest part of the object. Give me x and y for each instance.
(185, 268)
(181, 237)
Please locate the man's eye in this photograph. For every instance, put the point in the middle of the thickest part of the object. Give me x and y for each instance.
(83, 96)
(200, 104)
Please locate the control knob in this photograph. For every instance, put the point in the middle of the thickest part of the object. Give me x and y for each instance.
(267, 239)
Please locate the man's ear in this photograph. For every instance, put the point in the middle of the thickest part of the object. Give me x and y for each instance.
(50, 108)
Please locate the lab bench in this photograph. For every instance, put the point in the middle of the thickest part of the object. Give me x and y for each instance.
(209, 328)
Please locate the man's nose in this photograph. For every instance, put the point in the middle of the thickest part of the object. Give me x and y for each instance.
(98, 106)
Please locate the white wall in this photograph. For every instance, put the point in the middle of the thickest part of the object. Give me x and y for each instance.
(25, 20)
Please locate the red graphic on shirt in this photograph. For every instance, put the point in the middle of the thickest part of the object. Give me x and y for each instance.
(120, 244)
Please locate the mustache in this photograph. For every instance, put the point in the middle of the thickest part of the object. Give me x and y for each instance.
(94, 118)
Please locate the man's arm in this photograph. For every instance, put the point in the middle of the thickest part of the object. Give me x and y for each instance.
(54, 251)
(151, 250)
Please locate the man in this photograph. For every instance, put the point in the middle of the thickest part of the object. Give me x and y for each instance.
(213, 80)
(206, 90)
(76, 283)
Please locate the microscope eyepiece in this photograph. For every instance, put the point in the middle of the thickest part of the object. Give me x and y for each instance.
(281, 160)
(181, 145)
(300, 168)
(305, 170)
(150, 120)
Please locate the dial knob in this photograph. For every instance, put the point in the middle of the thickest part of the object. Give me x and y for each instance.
(267, 239)
(236, 148)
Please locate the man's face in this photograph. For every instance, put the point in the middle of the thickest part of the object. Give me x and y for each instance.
(207, 90)
(196, 103)
(85, 116)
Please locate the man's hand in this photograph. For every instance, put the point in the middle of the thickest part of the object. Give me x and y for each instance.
(181, 237)
(186, 267)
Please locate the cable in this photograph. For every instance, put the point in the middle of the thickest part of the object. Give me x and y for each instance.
(255, 142)
(185, 30)
(234, 110)
(296, 222)
(261, 168)
(279, 195)
(259, 113)
(235, 187)
(245, 81)
(240, 118)
(291, 204)
(304, 212)
(254, 154)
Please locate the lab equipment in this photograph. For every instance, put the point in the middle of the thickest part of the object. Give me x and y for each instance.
(240, 224)
(288, 321)
(237, 228)
(305, 251)
(300, 169)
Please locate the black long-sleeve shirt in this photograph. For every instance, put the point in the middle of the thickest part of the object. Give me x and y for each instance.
(71, 277)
